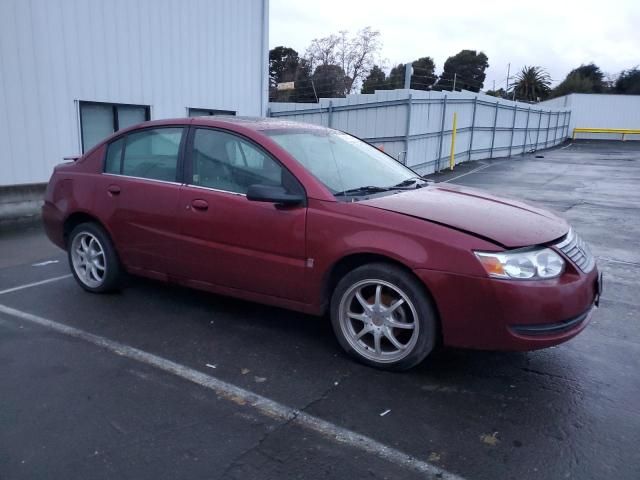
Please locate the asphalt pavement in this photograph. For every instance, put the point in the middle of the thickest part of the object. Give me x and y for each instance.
(162, 382)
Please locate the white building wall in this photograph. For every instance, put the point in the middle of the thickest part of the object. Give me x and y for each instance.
(592, 110)
(169, 54)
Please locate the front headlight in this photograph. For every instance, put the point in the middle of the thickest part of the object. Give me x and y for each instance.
(522, 265)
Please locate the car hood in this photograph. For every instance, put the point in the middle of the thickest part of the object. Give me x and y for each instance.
(510, 223)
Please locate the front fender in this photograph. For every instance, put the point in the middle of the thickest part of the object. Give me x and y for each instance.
(336, 230)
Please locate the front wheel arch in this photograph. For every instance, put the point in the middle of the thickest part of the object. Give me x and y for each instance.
(417, 306)
(353, 261)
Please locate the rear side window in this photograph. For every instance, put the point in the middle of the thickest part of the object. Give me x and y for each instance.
(114, 156)
(151, 153)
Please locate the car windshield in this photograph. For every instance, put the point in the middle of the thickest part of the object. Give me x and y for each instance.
(342, 162)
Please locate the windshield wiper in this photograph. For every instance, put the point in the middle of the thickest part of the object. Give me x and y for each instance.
(374, 189)
(364, 190)
(408, 182)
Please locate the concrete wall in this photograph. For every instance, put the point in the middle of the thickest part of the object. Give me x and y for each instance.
(20, 203)
(416, 126)
(591, 110)
(168, 54)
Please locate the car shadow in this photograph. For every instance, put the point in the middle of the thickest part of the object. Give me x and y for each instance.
(444, 366)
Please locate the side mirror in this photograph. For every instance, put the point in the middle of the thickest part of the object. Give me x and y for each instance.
(273, 194)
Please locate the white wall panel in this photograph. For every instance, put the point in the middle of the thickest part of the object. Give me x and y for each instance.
(169, 54)
(590, 110)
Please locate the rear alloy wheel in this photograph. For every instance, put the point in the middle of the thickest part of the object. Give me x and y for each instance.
(383, 317)
(92, 258)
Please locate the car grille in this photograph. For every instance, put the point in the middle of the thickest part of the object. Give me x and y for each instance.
(578, 251)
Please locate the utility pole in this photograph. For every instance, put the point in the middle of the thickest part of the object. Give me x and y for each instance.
(455, 76)
(508, 72)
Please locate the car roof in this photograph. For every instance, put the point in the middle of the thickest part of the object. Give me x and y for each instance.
(246, 123)
(254, 123)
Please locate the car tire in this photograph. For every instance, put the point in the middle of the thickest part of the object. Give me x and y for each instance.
(383, 316)
(93, 260)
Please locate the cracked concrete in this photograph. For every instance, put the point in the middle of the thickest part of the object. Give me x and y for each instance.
(237, 462)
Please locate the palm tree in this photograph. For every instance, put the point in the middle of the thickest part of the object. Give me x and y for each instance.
(532, 84)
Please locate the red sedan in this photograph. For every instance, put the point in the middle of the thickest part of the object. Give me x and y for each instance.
(315, 220)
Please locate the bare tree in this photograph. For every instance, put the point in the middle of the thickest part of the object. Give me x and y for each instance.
(355, 55)
(322, 51)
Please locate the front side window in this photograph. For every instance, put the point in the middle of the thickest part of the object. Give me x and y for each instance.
(340, 161)
(151, 153)
(223, 161)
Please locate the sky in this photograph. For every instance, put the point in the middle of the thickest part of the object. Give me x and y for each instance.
(556, 35)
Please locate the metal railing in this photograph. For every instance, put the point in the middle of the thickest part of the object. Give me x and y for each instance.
(618, 131)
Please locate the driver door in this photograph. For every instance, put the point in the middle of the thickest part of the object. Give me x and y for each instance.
(228, 240)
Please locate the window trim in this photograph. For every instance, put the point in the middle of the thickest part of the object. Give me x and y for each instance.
(114, 113)
(142, 178)
(188, 160)
(179, 178)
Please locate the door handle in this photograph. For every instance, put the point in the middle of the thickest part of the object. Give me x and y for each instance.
(199, 204)
(113, 189)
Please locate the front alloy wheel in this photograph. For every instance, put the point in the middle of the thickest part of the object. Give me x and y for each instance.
(379, 321)
(382, 315)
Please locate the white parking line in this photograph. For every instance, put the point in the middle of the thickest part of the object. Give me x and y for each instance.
(239, 395)
(46, 262)
(469, 173)
(35, 284)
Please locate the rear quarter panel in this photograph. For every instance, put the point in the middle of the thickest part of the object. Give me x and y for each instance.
(70, 190)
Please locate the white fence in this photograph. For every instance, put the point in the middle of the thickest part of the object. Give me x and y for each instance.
(416, 126)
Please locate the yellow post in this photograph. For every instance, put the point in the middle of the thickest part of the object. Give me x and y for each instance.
(452, 157)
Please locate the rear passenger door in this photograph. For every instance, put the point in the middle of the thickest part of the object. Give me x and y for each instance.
(138, 196)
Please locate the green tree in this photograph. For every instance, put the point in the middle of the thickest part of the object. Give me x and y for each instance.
(500, 93)
(467, 68)
(304, 91)
(423, 76)
(329, 81)
(376, 80)
(395, 79)
(593, 73)
(285, 65)
(628, 82)
(584, 79)
(532, 84)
